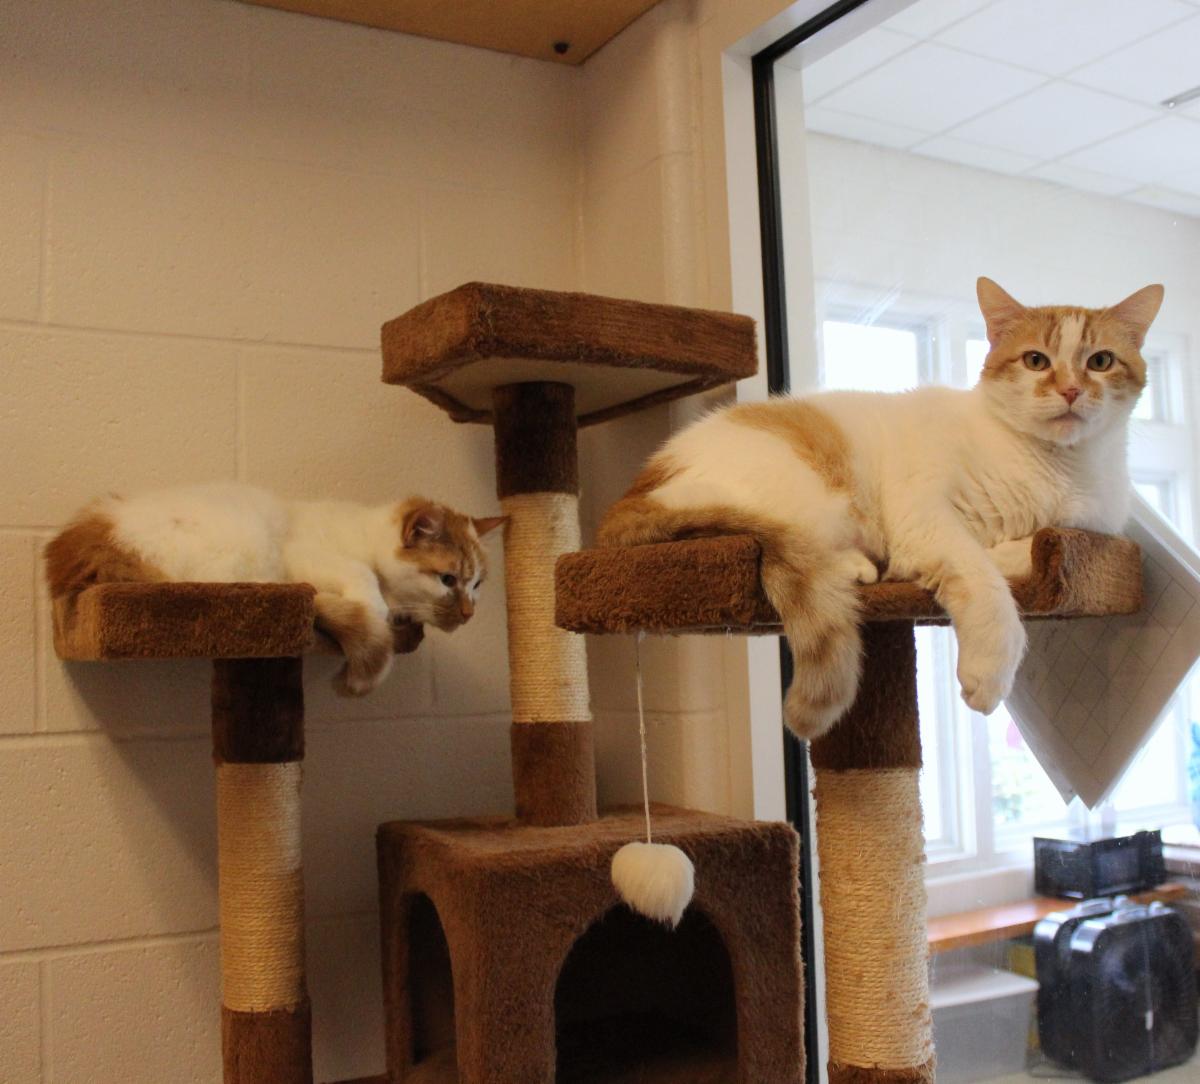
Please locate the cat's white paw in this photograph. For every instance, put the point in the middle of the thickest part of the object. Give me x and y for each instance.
(983, 692)
(987, 661)
(858, 567)
(357, 679)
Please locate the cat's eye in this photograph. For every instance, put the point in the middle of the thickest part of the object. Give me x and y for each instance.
(449, 579)
(1101, 361)
(1036, 361)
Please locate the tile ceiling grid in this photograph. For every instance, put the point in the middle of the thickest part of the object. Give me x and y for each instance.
(987, 83)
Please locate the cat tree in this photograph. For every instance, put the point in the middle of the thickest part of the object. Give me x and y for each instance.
(869, 834)
(507, 956)
(255, 635)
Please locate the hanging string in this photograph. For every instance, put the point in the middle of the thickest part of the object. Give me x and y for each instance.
(637, 666)
(656, 879)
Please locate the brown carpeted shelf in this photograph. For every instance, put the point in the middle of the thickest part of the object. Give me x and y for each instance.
(712, 585)
(456, 348)
(195, 621)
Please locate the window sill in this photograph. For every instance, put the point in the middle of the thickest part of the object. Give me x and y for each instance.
(968, 889)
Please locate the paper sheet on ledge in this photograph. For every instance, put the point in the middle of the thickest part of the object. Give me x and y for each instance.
(1091, 690)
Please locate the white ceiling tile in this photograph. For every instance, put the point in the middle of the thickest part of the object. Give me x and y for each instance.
(819, 119)
(1056, 37)
(1086, 179)
(1152, 69)
(1168, 199)
(971, 154)
(926, 17)
(1165, 151)
(1054, 119)
(930, 88)
(857, 56)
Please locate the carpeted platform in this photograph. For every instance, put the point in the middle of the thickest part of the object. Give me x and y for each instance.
(713, 585)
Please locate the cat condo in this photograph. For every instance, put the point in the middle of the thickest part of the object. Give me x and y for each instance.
(507, 954)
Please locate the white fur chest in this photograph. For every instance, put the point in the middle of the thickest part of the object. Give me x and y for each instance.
(1011, 486)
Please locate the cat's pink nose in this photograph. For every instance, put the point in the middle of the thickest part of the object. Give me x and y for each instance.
(1069, 394)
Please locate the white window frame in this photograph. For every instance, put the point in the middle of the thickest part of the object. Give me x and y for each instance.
(970, 843)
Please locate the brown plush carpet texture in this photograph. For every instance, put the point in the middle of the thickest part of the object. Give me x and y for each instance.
(197, 621)
(555, 980)
(712, 584)
(187, 620)
(481, 321)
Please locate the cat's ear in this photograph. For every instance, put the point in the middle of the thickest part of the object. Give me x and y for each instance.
(425, 523)
(1138, 310)
(488, 524)
(997, 305)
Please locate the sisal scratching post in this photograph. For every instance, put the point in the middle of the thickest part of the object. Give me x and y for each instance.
(537, 481)
(868, 801)
(536, 365)
(871, 849)
(553, 976)
(258, 745)
(254, 633)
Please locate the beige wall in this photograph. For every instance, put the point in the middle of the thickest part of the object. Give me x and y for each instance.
(641, 218)
(206, 211)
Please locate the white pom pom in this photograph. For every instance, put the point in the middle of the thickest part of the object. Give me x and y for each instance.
(655, 879)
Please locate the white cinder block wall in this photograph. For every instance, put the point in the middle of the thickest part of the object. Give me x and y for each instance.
(642, 151)
(206, 211)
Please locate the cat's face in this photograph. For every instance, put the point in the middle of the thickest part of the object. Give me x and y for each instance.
(434, 570)
(1065, 374)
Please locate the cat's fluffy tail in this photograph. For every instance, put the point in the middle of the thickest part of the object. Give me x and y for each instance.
(812, 590)
(86, 552)
(817, 600)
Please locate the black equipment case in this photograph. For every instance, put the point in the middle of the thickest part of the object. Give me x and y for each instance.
(1052, 956)
(1120, 1000)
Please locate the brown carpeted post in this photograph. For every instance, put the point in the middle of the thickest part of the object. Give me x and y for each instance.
(537, 481)
(871, 849)
(258, 745)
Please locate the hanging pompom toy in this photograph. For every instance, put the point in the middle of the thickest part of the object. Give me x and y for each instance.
(654, 879)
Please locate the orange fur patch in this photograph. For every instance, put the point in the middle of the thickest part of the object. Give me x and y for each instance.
(1041, 329)
(86, 553)
(811, 433)
(453, 548)
(654, 475)
(367, 644)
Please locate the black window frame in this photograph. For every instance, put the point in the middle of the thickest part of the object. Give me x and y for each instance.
(770, 210)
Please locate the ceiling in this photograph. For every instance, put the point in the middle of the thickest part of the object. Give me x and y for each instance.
(534, 28)
(1067, 91)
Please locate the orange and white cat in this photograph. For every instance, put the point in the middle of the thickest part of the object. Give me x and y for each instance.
(374, 567)
(936, 485)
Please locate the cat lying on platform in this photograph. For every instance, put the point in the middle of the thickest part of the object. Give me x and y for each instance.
(376, 569)
(936, 485)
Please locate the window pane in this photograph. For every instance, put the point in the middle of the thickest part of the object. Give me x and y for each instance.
(1156, 777)
(1023, 797)
(1153, 493)
(977, 350)
(1144, 410)
(869, 357)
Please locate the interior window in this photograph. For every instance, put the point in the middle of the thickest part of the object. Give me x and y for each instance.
(920, 157)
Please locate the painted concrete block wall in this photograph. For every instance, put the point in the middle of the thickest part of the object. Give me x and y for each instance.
(641, 227)
(206, 211)
(875, 227)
